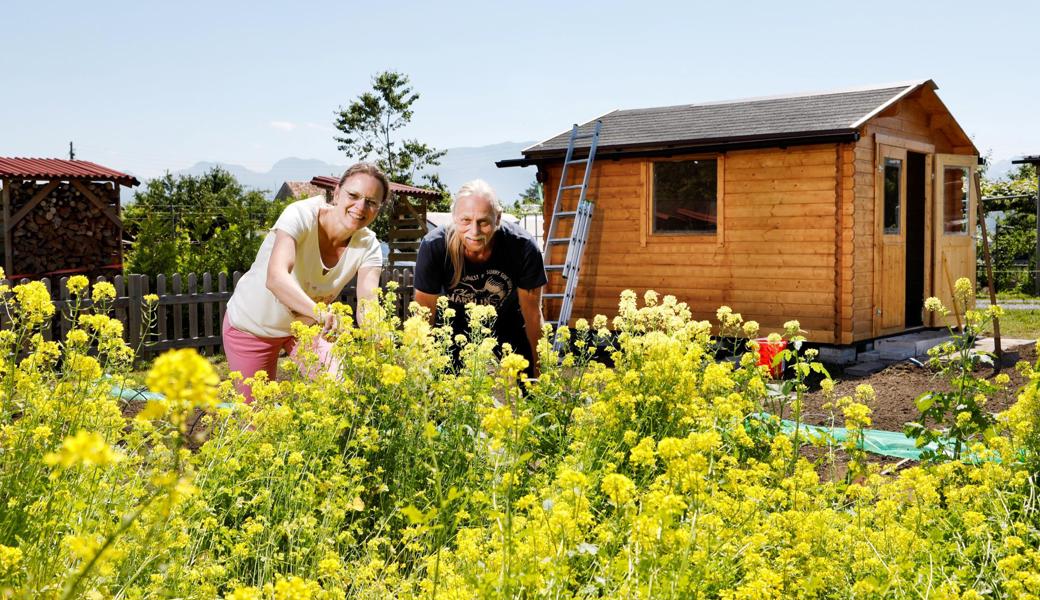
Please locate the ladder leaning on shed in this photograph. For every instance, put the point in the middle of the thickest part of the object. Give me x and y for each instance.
(581, 219)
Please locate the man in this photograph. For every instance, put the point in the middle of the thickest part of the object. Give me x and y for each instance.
(480, 259)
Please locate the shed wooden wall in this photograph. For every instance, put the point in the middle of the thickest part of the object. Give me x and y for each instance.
(777, 260)
(915, 122)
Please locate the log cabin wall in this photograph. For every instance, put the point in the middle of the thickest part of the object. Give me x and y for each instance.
(919, 123)
(773, 258)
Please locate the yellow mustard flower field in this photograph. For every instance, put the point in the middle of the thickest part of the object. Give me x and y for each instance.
(655, 474)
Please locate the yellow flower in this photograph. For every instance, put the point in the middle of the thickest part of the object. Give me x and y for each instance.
(643, 453)
(186, 381)
(963, 290)
(87, 448)
(76, 284)
(750, 329)
(295, 588)
(244, 593)
(34, 303)
(9, 556)
(618, 488)
(151, 299)
(103, 290)
(391, 375)
(512, 365)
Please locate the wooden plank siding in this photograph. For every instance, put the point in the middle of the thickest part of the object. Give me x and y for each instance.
(777, 259)
(918, 123)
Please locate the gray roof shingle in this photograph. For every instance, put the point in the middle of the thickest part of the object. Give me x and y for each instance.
(744, 120)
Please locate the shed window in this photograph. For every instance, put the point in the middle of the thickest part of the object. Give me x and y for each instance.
(955, 200)
(893, 179)
(685, 196)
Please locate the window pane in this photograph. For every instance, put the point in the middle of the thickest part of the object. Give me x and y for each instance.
(955, 200)
(685, 196)
(893, 179)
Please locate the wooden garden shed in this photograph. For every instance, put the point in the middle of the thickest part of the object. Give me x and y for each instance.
(61, 217)
(844, 210)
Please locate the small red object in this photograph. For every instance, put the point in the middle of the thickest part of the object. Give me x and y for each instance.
(767, 351)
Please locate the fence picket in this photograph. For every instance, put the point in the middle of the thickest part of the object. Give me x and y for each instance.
(222, 305)
(178, 310)
(65, 308)
(133, 311)
(161, 312)
(47, 333)
(207, 311)
(193, 308)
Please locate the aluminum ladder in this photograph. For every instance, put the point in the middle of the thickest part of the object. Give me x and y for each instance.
(581, 219)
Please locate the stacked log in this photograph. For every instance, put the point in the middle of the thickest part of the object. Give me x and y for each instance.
(66, 230)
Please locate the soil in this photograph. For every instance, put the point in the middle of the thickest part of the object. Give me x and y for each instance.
(899, 384)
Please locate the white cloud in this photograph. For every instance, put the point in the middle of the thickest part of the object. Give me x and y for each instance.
(283, 125)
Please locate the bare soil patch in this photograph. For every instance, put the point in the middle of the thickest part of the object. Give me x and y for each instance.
(898, 385)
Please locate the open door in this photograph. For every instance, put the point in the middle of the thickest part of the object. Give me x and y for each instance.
(890, 249)
(955, 206)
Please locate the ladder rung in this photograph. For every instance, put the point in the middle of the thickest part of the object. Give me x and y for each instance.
(578, 161)
(554, 267)
(552, 295)
(566, 213)
(585, 136)
(572, 187)
(558, 240)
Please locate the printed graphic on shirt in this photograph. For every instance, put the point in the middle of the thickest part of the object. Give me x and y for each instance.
(490, 288)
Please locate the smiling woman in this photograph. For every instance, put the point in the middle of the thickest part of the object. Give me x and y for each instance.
(314, 249)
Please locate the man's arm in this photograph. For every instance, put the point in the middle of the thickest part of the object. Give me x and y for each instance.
(531, 309)
(367, 283)
(428, 301)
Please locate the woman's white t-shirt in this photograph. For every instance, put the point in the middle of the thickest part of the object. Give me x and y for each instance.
(254, 309)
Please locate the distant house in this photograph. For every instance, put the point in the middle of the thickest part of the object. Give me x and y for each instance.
(843, 209)
(61, 217)
(298, 190)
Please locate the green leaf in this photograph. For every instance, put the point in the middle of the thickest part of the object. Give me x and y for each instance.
(925, 401)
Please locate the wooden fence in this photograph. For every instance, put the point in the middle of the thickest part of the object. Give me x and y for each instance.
(190, 308)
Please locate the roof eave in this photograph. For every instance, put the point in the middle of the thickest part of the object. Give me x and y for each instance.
(693, 146)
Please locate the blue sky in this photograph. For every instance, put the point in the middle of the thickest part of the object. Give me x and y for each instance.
(147, 86)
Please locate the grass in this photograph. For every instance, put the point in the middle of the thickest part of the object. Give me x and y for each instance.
(1019, 324)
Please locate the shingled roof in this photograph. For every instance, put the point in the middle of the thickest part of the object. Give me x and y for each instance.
(774, 121)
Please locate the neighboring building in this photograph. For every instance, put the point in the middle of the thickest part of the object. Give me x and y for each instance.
(843, 210)
(298, 190)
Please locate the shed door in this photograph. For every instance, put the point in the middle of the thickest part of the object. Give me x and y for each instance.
(955, 209)
(890, 261)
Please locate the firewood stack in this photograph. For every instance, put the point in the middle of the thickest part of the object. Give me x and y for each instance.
(65, 230)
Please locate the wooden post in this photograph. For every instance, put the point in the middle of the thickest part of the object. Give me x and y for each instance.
(8, 251)
(1036, 274)
(989, 275)
(135, 300)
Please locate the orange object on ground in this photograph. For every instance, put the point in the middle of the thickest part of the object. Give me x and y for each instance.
(767, 351)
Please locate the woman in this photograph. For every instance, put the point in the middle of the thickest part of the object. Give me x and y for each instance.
(314, 249)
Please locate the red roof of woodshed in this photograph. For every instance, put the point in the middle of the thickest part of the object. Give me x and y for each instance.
(324, 181)
(56, 168)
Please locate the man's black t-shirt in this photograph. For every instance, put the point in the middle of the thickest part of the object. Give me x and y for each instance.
(515, 263)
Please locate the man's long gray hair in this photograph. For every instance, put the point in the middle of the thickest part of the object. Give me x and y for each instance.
(475, 188)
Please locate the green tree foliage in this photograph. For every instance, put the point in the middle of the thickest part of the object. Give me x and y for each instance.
(189, 224)
(371, 130)
(529, 202)
(1013, 243)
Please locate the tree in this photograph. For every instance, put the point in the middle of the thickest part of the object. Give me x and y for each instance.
(188, 224)
(529, 202)
(371, 125)
(1013, 243)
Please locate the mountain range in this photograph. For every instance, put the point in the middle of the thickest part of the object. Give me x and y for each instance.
(458, 166)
